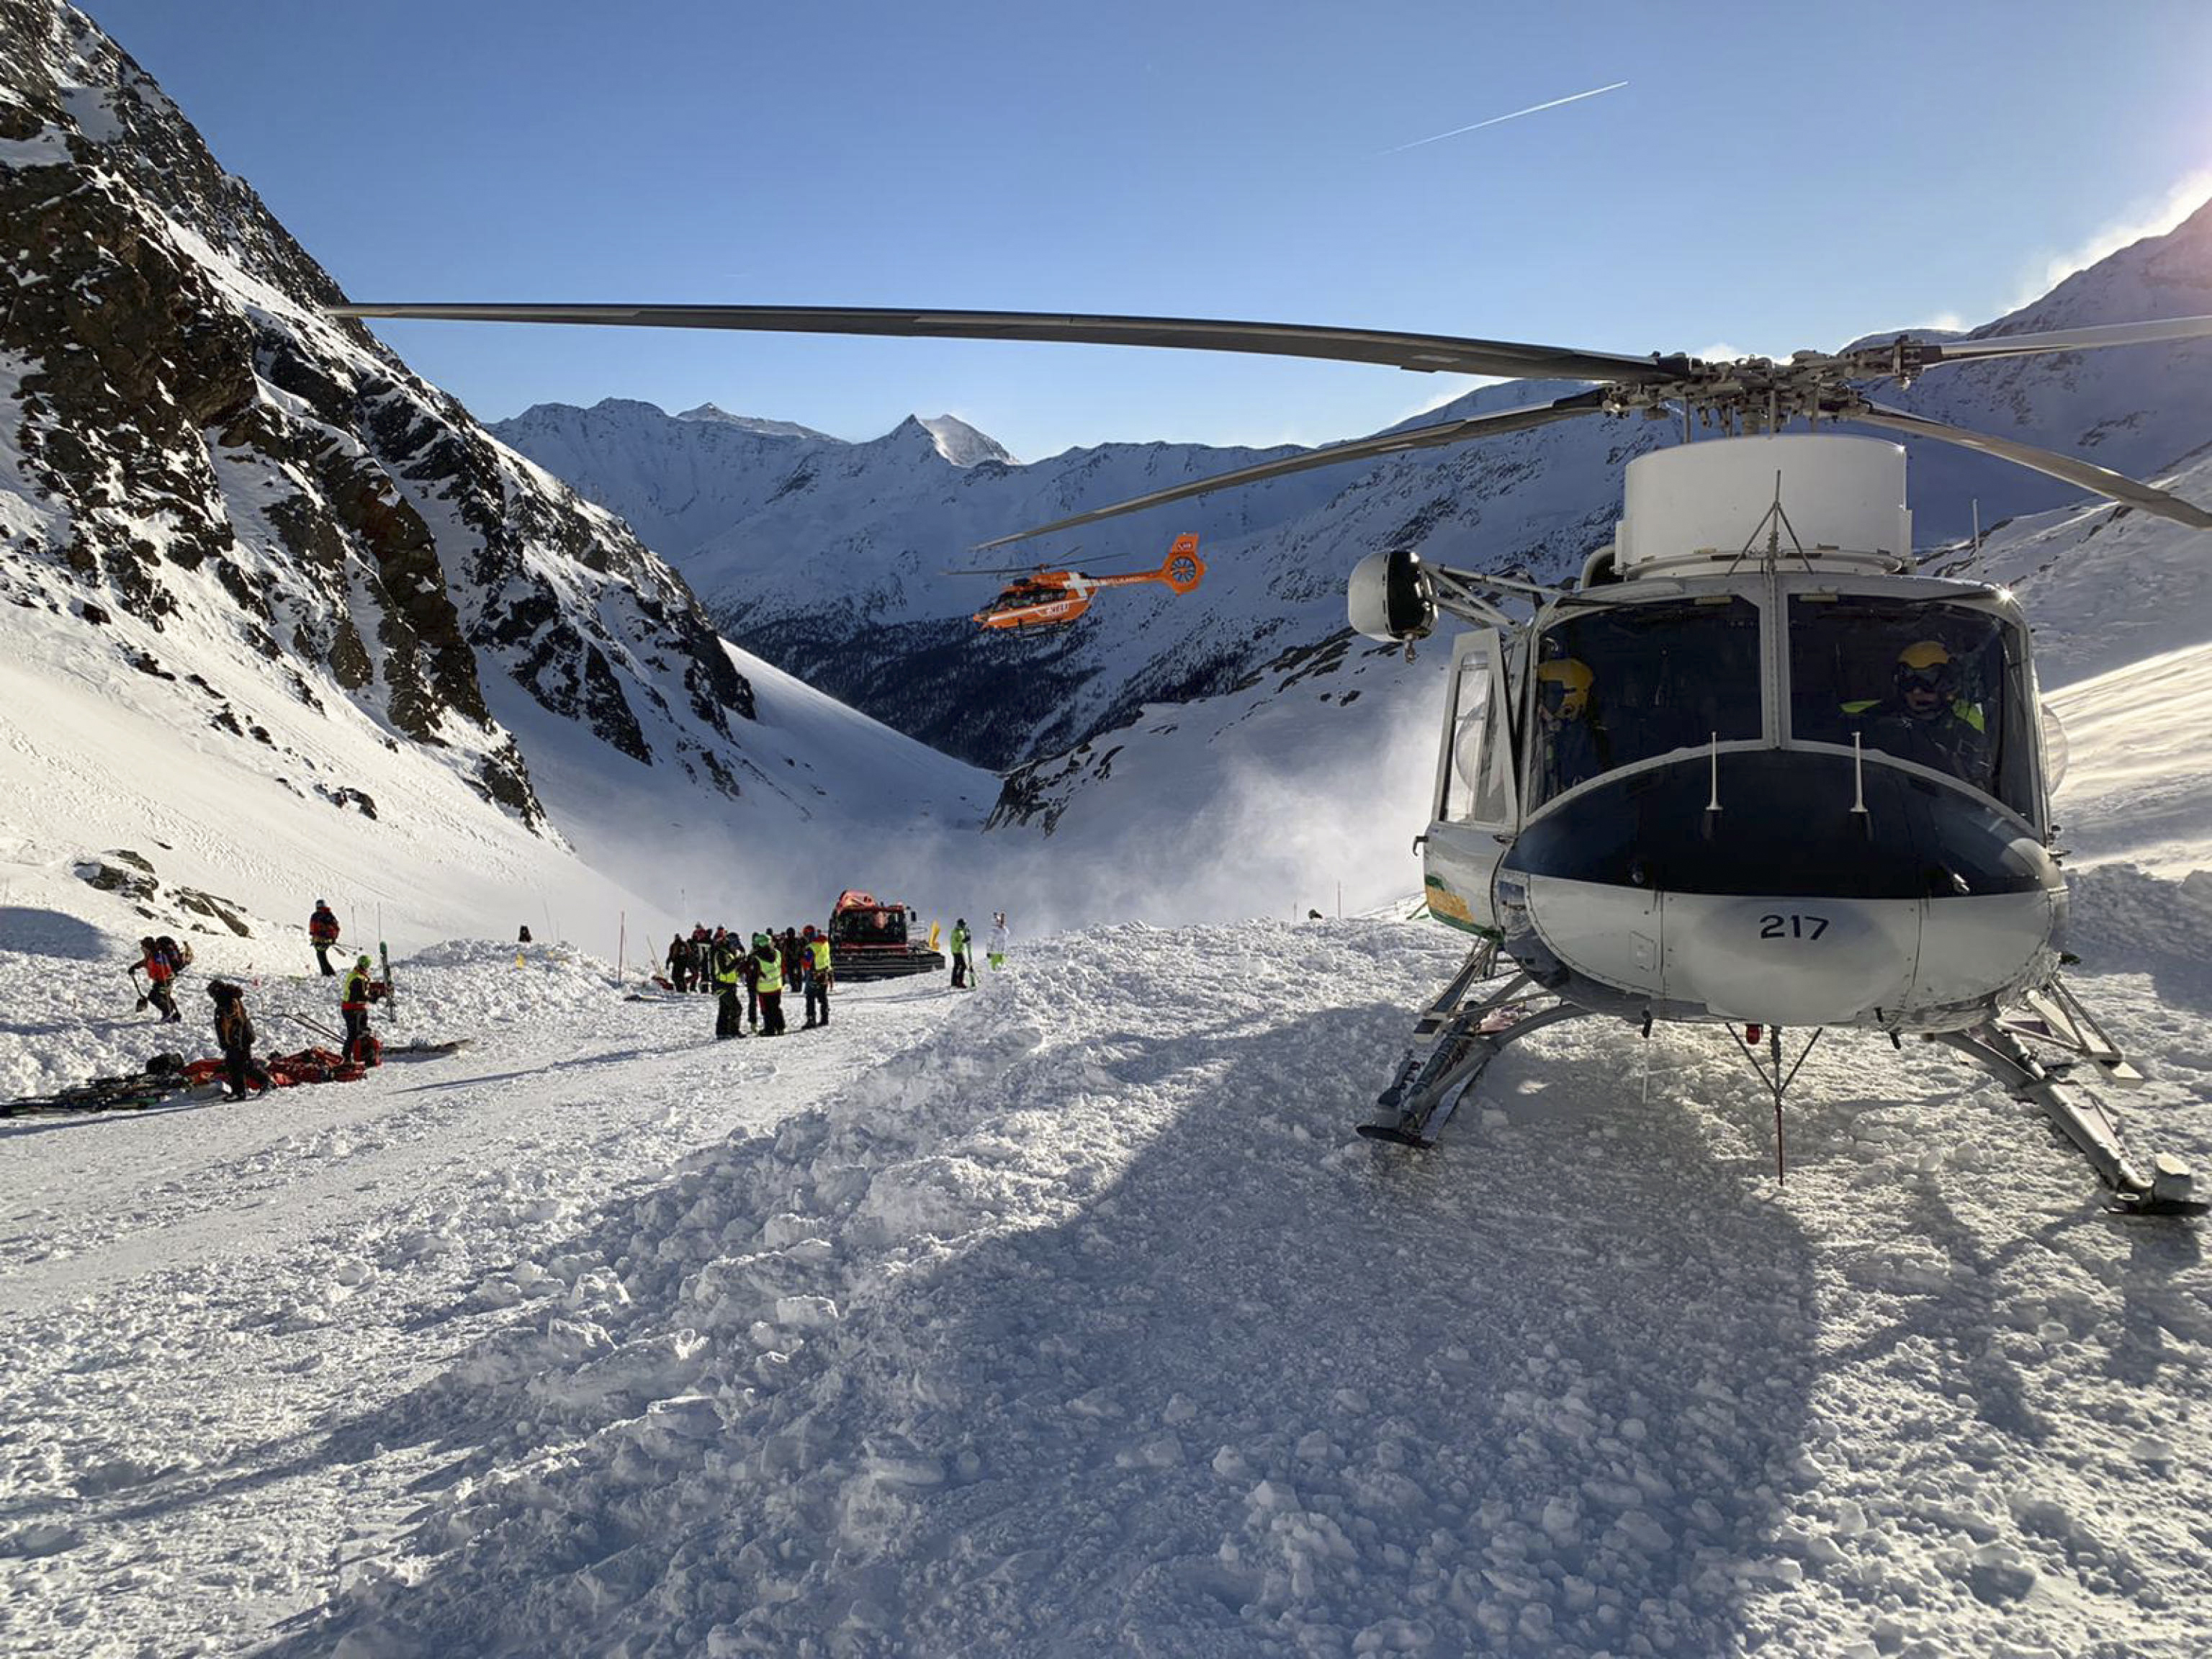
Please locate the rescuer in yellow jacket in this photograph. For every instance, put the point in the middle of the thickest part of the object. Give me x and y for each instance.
(814, 976)
(767, 981)
(356, 993)
(726, 966)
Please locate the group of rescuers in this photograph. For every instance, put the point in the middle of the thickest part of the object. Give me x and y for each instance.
(162, 959)
(705, 961)
(719, 963)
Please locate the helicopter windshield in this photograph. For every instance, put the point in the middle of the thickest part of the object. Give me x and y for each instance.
(1935, 685)
(1623, 684)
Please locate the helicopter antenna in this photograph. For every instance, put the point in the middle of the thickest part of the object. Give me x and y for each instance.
(1773, 521)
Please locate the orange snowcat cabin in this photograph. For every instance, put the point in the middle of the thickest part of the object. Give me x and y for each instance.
(868, 940)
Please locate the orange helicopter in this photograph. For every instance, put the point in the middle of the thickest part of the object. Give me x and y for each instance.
(1052, 598)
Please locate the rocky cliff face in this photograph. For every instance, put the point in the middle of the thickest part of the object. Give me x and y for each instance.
(189, 449)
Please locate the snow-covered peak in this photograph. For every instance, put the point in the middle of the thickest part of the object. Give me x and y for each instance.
(714, 415)
(960, 443)
(2168, 276)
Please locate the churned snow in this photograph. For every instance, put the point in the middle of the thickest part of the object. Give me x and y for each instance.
(1066, 1316)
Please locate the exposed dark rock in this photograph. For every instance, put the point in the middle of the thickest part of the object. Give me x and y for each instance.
(226, 911)
(136, 883)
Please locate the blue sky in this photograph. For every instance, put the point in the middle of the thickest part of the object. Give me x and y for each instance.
(1773, 176)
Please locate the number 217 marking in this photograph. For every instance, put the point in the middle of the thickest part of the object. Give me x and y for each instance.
(1792, 926)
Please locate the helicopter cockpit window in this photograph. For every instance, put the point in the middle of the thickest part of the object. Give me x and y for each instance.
(1624, 684)
(1935, 685)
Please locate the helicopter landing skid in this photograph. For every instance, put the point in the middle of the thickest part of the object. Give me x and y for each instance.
(1463, 1041)
(2093, 1127)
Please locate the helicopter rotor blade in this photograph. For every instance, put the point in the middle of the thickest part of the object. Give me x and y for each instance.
(1013, 569)
(1425, 353)
(2096, 479)
(2071, 339)
(1388, 443)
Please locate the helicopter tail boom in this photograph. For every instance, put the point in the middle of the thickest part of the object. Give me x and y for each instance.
(1181, 571)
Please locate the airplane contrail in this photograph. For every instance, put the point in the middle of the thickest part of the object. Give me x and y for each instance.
(1533, 109)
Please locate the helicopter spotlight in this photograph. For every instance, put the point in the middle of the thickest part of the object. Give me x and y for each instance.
(1750, 770)
(1052, 599)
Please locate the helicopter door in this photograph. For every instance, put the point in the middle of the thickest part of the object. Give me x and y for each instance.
(1477, 807)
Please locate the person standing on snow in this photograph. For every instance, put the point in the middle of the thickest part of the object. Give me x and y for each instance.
(768, 983)
(356, 993)
(725, 968)
(961, 965)
(234, 1035)
(322, 933)
(749, 965)
(160, 967)
(680, 964)
(814, 971)
(997, 953)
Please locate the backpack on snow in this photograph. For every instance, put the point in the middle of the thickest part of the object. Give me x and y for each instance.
(178, 956)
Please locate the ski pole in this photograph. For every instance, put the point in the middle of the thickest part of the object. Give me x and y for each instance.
(301, 1019)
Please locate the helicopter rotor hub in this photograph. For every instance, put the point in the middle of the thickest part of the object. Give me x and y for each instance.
(1758, 393)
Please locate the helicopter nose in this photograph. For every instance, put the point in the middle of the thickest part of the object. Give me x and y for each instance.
(1796, 962)
(1785, 906)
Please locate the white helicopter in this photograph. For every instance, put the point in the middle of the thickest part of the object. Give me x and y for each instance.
(1749, 769)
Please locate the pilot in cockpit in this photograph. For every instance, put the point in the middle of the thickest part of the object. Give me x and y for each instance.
(1573, 748)
(1926, 718)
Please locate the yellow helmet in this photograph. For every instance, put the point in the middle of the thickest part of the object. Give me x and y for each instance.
(1926, 664)
(1573, 677)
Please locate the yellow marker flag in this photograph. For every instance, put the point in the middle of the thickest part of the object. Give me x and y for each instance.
(518, 959)
(932, 936)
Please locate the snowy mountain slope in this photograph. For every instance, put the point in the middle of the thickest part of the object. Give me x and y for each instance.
(2104, 586)
(297, 545)
(1299, 789)
(865, 530)
(680, 479)
(2138, 785)
(99, 759)
(2122, 609)
(1081, 1324)
(838, 572)
(2138, 411)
